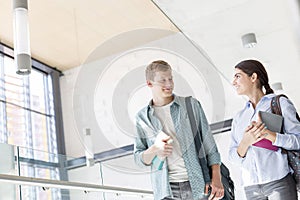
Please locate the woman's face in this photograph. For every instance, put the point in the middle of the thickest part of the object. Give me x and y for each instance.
(242, 82)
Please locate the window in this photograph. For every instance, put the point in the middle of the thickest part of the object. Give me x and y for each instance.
(27, 110)
(28, 119)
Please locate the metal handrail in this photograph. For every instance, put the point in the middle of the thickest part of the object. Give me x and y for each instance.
(85, 187)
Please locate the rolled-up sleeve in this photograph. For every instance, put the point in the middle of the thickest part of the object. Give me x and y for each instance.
(290, 140)
(140, 145)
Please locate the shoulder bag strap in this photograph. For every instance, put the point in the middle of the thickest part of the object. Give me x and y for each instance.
(197, 140)
(275, 105)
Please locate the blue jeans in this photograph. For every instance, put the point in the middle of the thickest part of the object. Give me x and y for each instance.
(181, 191)
(283, 189)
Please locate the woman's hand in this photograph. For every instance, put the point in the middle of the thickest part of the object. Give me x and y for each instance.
(255, 132)
(269, 135)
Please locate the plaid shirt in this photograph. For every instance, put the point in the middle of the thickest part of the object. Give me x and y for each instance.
(148, 126)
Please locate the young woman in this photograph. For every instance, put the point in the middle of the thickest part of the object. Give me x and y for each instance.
(265, 171)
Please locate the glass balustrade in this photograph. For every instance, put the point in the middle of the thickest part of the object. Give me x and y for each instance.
(28, 174)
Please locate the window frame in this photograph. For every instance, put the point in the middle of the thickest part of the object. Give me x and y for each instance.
(55, 75)
(57, 112)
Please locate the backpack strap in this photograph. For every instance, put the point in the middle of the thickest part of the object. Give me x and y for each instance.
(275, 106)
(198, 141)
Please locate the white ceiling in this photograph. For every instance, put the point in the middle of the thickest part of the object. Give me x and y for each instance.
(217, 26)
(63, 33)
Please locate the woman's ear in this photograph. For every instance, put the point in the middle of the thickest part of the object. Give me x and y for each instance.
(254, 77)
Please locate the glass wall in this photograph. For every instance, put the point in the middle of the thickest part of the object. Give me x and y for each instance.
(28, 120)
(27, 109)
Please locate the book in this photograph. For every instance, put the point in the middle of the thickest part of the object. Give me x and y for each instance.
(273, 123)
(159, 161)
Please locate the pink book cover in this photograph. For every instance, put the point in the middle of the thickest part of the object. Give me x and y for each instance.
(267, 144)
(274, 123)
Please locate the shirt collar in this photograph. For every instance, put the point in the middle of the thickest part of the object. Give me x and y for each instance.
(175, 102)
(264, 98)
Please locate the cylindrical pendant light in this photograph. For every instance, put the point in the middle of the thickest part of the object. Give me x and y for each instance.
(249, 40)
(21, 37)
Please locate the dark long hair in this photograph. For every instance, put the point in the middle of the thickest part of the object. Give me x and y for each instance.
(253, 66)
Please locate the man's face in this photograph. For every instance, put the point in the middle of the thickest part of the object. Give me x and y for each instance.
(162, 85)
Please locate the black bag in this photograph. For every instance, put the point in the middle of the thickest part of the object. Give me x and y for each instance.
(225, 175)
(293, 155)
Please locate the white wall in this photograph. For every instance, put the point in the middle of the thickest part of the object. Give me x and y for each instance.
(104, 94)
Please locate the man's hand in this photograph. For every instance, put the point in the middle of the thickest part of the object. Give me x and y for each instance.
(216, 186)
(164, 147)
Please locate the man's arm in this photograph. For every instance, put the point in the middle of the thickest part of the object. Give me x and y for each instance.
(161, 148)
(213, 156)
(217, 189)
(208, 141)
(143, 154)
(149, 154)
(140, 146)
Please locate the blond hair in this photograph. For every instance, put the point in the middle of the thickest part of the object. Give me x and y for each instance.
(155, 66)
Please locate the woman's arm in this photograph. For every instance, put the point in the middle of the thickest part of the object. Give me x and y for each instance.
(291, 126)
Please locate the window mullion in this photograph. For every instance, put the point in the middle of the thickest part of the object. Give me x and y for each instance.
(3, 123)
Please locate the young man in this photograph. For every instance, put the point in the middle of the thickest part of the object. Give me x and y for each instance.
(165, 142)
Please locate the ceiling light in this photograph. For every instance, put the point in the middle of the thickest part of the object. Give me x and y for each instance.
(249, 40)
(277, 87)
(21, 37)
